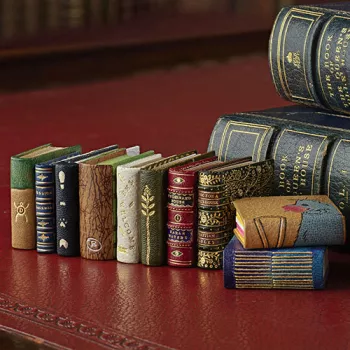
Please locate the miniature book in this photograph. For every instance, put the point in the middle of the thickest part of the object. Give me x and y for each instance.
(23, 191)
(291, 221)
(287, 268)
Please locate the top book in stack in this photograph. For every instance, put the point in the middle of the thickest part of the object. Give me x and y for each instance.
(308, 55)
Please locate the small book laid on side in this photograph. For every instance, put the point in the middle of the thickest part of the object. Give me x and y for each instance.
(290, 221)
(98, 203)
(45, 209)
(23, 191)
(287, 268)
(154, 200)
(182, 212)
(217, 190)
(67, 198)
(129, 208)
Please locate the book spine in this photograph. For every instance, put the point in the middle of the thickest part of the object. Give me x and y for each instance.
(299, 161)
(67, 208)
(45, 209)
(332, 63)
(182, 218)
(293, 43)
(296, 268)
(153, 184)
(96, 212)
(128, 215)
(214, 224)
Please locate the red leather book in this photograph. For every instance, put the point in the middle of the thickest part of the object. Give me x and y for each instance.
(182, 215)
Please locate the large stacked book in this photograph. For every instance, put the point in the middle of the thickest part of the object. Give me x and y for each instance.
(264, 203)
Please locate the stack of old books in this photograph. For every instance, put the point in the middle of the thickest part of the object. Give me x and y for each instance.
(118, 203)
(258, 256)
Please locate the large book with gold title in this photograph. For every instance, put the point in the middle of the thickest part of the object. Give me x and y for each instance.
(288, 221)
(310, 147)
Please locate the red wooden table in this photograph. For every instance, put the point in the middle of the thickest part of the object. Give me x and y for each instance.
(78, 303)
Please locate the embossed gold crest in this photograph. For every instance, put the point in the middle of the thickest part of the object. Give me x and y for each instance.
(176, 253)
(294, 58)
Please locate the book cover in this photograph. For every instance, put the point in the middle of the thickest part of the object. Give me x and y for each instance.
(129, 208)
(23, 221)
(182, 212)
(288, 221)
(288, 268)
(45, 209)
(98, 202)
(67, 198)
(217, 190)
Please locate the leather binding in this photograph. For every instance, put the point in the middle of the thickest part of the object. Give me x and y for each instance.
(154, 199)
(67, 200)
(23, 193)
(288, 221)
(182, 212)
(308, 55)
(216, 192)
(45, 205)
(129, 208)
(97, 198)
(329, 170)
(287, 268)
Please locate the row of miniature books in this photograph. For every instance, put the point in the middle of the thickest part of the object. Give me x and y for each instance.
(118, 203)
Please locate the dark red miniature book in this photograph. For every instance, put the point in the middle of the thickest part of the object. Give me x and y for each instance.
(182, 212)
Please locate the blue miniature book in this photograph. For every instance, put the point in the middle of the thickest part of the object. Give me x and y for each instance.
(287, 268)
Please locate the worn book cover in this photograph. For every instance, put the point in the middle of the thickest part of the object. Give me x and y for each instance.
(290, 221)
(217, 190)
(288, 268)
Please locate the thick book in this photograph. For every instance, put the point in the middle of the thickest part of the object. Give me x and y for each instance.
(23, 221)
(308, 55)
(98, 202)
(310, 147)
(217, 190)
(154, 200)
(288, 221)
(129, 208)
(67, 198)
(45, 209)
(182, 212)
(287, 268)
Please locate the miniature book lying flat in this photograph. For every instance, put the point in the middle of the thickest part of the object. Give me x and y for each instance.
(288, 268)
(291, 221)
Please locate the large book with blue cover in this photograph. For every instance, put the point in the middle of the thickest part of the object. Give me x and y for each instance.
(288, 268)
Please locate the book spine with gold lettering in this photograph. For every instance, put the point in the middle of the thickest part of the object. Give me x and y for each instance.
(308, 55)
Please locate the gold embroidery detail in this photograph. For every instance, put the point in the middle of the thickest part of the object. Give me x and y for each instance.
(147, 205)
(210, 260)
(21, 210)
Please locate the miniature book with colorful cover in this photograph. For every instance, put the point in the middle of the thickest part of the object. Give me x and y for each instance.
(67, 198)
(129, 208)
(182, 212)
(45, 209)
(154, 200)
(217, 189)
(287, 268)
(23, 191)
(290, 221)
(98, 202)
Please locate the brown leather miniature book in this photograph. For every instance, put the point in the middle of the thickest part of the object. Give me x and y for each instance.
(290, 221)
